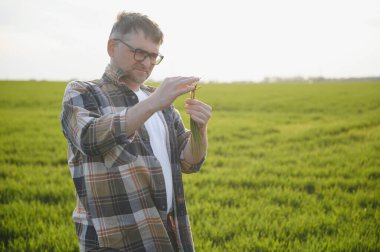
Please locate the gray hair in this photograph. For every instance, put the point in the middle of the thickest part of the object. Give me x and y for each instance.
(128, 22)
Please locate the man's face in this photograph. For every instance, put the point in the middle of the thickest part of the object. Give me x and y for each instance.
(123, 57)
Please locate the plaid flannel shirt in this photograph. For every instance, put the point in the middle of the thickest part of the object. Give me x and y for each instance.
(120, 188)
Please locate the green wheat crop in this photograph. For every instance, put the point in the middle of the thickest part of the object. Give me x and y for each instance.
(197, 139)
(290, 167)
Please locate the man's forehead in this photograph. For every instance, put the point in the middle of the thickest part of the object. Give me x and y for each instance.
(137, 34)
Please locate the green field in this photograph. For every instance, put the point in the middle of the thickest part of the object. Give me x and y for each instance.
(290, 167)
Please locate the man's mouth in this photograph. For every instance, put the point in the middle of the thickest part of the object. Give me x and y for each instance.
(141, 70)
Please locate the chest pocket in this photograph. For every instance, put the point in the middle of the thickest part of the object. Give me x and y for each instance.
(118, 156)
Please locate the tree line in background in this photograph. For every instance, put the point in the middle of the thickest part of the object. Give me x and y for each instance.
(318, 79)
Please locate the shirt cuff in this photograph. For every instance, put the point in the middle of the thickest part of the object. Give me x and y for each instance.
(121, 131)
(190, 168)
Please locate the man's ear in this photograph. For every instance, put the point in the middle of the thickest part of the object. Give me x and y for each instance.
(111, 47)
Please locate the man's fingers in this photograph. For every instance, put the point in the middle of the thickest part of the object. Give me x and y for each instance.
(198, 105)
(184, 90)
(198, 109)
(199, 119)
(183, 82)
(189, 80)
(199, 112)
(172, 87)
(180, 80)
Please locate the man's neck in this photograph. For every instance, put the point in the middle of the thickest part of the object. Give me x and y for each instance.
(131, 85)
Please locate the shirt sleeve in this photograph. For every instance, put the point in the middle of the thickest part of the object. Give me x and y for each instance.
(85, 126)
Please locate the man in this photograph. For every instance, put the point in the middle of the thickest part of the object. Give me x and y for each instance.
(127, 147)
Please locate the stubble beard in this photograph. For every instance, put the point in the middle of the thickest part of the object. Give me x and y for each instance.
(136, 78)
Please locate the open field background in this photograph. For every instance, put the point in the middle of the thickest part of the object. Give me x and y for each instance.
(292, 167)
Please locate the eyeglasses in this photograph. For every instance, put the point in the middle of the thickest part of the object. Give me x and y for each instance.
(140, 54)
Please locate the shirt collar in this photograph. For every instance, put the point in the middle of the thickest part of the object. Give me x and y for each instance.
(115, 75)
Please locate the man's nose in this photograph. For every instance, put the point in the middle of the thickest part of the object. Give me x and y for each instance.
(146, 62)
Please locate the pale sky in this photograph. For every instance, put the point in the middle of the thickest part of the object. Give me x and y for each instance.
(240, 40)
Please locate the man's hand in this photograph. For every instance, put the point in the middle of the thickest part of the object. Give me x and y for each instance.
(200, 112)
(160, 99)
(170, 89)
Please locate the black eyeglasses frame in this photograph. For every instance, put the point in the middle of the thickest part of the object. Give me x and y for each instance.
(155, 58)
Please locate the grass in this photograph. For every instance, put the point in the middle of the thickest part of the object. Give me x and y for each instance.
(292, 167)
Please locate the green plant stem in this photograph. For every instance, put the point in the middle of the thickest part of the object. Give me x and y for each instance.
(196, 144)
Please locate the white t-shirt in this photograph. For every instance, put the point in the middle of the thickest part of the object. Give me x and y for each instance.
(157, 137)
